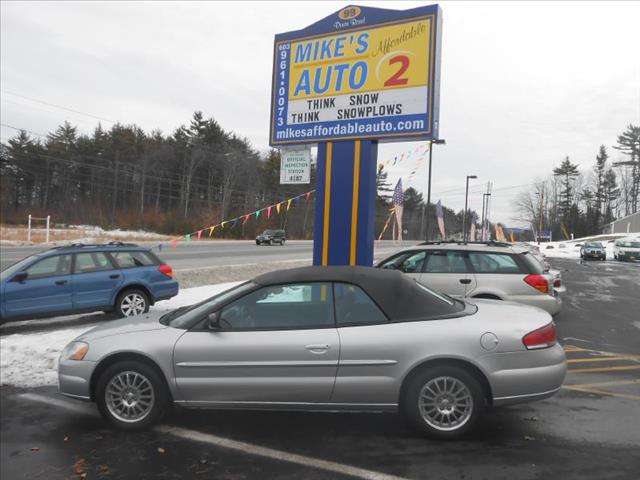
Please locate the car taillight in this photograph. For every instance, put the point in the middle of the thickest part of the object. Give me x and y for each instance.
(167, 270)
(557, 283)
(538, 282)
(541, 338)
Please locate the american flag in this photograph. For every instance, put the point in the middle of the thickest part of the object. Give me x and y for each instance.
(398, 194)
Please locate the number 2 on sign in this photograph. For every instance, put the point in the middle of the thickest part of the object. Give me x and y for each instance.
(396, 78)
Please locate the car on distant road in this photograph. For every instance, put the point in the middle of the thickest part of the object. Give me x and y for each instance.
(78, 278)
(593, 250)
(270, 237)
(489, 270)
(321, 338)
(627, 249)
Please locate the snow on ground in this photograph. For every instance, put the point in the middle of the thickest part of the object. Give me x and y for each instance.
(31, 359)
(571, 248)
(16, 236)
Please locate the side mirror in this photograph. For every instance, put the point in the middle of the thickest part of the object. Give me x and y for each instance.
(213, 321)
(20, 277)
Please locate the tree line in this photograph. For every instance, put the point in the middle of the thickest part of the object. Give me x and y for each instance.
(199, 175)
(570, 201)
(126, 178)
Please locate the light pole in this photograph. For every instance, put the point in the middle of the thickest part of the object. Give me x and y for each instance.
(431, 144)
(464, 214)
(485, 199)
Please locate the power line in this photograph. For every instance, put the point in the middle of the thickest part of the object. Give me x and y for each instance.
(58, 106)
(24, 130)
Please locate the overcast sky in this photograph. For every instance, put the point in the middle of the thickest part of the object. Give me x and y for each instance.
(523, 84)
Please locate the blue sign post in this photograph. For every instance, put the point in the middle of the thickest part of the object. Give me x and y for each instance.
(357, 77)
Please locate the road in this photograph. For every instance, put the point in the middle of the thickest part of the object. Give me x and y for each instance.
(587, 431)
(199, 254)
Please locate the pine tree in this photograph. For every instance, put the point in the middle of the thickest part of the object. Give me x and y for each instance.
(567, 172)
(383, 187)
(600, 169)
(629, 144)
(611, 194)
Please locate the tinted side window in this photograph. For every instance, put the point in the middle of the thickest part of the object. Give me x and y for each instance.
(493, 263)
(446, 262)
(91, 262)
(355, 307)
(47, 267)
(132, 259)
(407, 262)
(282, 307)
(394, 262)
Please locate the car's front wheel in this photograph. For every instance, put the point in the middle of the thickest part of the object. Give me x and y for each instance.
(443, 402)
(132, 302)
(131, 395)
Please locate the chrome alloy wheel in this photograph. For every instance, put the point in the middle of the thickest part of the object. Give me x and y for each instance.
(445, 403)
(129, 396)
(133, 304)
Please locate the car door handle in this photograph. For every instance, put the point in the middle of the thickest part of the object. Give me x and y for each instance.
(318, 348)
(465, 281)
(115, 275)
(61, 282)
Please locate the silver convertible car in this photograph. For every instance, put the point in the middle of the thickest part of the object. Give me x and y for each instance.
(313, 338)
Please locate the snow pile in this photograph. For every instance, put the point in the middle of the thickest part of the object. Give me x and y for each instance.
(571, 248)
(31, 359)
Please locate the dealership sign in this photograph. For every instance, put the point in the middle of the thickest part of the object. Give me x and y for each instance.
(295, 165)
(360, 73)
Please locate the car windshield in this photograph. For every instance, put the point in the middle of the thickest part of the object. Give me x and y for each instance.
(593, 245)
(268, 232)
(183, 317)
(16, 267)
(631, 244)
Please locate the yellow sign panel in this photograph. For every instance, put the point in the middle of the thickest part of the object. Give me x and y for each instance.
(380, 58)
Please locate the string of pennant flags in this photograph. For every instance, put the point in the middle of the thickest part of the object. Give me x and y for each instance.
(418, 154)
(284, 205)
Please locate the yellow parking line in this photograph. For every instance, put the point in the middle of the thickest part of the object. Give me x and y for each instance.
(604, 369)
(602, 352)
(573, 348)
(602, 392)
(599, 359)
(603, 384)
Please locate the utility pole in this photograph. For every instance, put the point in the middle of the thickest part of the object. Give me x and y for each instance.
(541, 214)
(464, 214)
(486, 217)
(485, 209)
(431, 144)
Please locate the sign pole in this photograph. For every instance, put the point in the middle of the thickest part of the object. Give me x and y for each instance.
(345, 203)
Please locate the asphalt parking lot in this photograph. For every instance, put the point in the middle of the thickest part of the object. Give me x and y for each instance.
(589, 430)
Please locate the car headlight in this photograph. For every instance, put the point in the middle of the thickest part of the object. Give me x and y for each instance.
(75, 351)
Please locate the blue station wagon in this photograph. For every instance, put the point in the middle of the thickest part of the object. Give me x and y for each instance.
(120, 277)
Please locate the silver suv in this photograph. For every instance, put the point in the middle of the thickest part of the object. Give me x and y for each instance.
(490, 270)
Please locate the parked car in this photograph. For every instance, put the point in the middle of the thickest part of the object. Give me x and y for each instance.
(593, 250)
(627, 249)
(313, 338)
(270, 237)
(490, 270)
(120, 277)
(554, 275)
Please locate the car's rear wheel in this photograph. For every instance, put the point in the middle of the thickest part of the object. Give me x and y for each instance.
(131, 395)
(443, 402)
(132, 302)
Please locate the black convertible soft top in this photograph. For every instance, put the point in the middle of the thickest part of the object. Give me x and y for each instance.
(397, 294)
